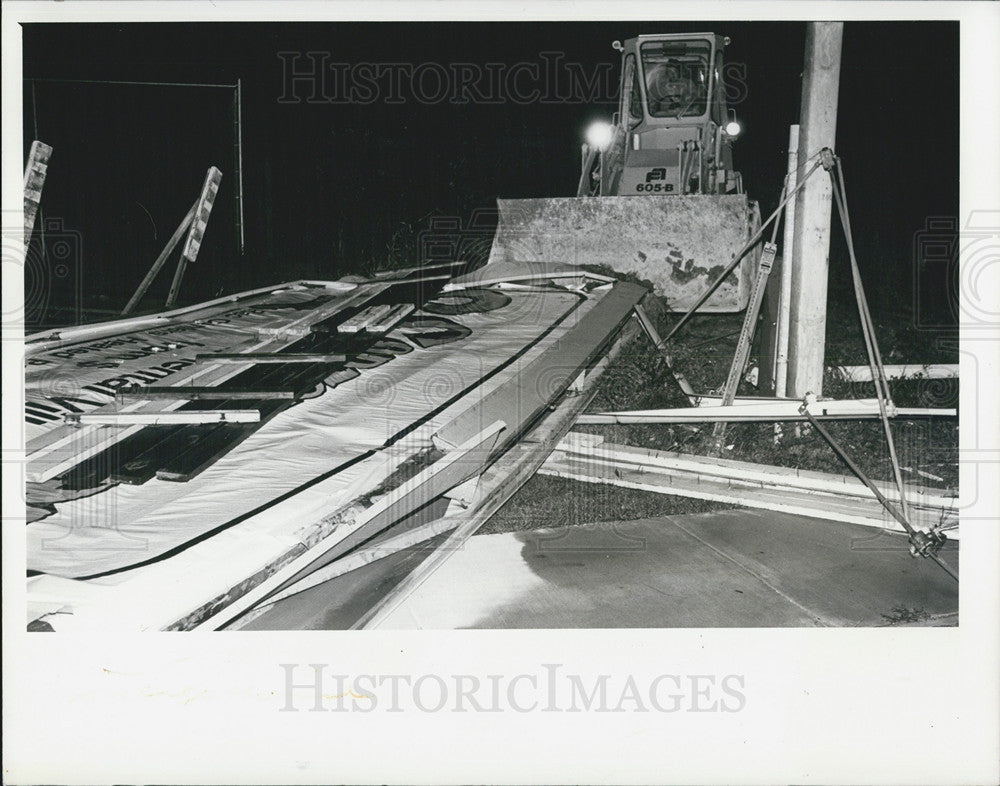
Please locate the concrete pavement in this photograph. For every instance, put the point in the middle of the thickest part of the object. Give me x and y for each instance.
(733, 568)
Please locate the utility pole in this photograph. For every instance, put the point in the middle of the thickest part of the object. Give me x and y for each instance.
(811, 242)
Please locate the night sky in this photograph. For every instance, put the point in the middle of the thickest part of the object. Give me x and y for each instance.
(350, 181)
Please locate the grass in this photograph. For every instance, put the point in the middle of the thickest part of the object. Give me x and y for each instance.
(901, 615)
(546, 501)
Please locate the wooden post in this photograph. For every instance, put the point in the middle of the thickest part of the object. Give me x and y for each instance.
(160, 261)
(196, 231)
(811, 246)
(34, 181)
(194, 224)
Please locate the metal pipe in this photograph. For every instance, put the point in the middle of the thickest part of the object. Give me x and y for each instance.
(868, 331)
(754, 410)
(239, 160)
(587, 155)
(137, 84)
(784, 303)
(914, 534)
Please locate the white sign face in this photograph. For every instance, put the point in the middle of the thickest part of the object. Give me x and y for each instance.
(150, 487)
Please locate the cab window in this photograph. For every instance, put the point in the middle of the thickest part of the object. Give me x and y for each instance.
(631, 97)
(677, 75)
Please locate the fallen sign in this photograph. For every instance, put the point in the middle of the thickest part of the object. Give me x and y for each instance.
(260, 320)
(465, 461)
(301, 486)
(587, 458)
(461, 520)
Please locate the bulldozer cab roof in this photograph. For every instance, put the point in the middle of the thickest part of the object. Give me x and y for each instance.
(721, 40)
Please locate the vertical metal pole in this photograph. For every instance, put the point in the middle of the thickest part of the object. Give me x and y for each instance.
(239, 161)
(811, 246)
(787, 261)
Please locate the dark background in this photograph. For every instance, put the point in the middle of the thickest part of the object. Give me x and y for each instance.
(338, 187)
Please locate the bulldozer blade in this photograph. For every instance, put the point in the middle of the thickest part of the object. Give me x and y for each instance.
(678, 244)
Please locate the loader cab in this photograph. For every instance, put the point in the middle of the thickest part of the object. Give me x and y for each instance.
(676, 78)
(672, 133)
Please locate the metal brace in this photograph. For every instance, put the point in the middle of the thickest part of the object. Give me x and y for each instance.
(924, 544)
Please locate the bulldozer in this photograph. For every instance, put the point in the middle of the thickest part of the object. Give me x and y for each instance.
(657, 196)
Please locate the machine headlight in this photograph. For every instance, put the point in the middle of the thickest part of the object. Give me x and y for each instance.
(733, 128)
(599, 134)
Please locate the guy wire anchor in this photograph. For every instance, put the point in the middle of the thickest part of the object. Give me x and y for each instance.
(924, 544)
